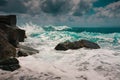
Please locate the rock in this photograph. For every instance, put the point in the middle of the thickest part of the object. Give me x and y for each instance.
(10, 64)
(10, 36)
(25, 51)
(9, 20)
(27, 48)
(22, 53)
(14, 34)
(88, 44)
(6, 49)
(21, 35)
(77, 45)
(62, 46)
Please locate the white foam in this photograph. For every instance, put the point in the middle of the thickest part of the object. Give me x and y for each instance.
(49, 64)
(57, 27)
(31, 28)
(78, 64)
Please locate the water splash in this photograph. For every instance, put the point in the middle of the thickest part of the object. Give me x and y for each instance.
(81, 64)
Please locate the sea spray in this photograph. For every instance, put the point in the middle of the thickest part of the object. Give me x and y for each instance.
(55, 34)
(81, 64)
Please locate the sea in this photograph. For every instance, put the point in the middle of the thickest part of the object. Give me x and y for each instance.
(80, 64)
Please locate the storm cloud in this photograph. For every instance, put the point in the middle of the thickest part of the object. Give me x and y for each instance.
(12, 6)
(83, 7)
(72, 12)
(54, 7)
(3, 2)
(111, 11)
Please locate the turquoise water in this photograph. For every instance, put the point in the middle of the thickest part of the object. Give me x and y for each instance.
(105, 37)
(88, 29)
(80, 64)
(97, 30)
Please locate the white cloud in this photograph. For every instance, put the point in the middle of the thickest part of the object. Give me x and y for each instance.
(111, 11)
(68, 12)
(83, 7)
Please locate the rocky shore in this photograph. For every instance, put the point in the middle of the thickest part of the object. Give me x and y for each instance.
(10, 36)
(10, 49)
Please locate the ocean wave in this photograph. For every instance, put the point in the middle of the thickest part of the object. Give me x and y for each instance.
(55, 28)
(80, 64)
(31, 28)
(56, 34)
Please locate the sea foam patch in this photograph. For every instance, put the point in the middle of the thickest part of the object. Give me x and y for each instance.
(80, 64)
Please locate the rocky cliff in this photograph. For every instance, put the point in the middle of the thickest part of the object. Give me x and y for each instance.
(10, 36)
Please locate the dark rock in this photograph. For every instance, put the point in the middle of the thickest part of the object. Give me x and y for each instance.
(88, 44)
(77, 45)
(6, 49)
(21, 35)
(9, 61)
(10, 36)
(62, 46)
(27, 48)
(10, 64)
(14, 34)
(25, 51)
(22, 53)
(9, 19)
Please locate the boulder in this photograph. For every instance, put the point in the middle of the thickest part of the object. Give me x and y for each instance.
(63, 46)
(22, 53)
(6, 49)
(9, 64)
(25, 51)
(77, 45)
(89, 44)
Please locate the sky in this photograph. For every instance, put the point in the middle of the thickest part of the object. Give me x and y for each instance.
(76, 13)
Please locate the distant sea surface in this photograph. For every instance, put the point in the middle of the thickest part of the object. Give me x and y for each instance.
(96, 29)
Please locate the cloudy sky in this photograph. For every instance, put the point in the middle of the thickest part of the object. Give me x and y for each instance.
(77, 13)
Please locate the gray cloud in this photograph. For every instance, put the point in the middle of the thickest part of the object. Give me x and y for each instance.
(83, 7)
(54, 7)
(57, 7)
(75, 7)
(69, 12)
(3, 2)
(33, 6)
(13, 6)
(110, 11)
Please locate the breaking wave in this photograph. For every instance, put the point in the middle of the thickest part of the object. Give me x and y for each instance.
(81, 64)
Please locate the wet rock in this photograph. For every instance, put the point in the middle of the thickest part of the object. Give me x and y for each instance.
(8, 19)
(6, 49)
(9, 64)
(63, 46)
(77, 45)
(25, 51)
(14, 34)
(88, 44)
(22, 53)
(10, 36)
